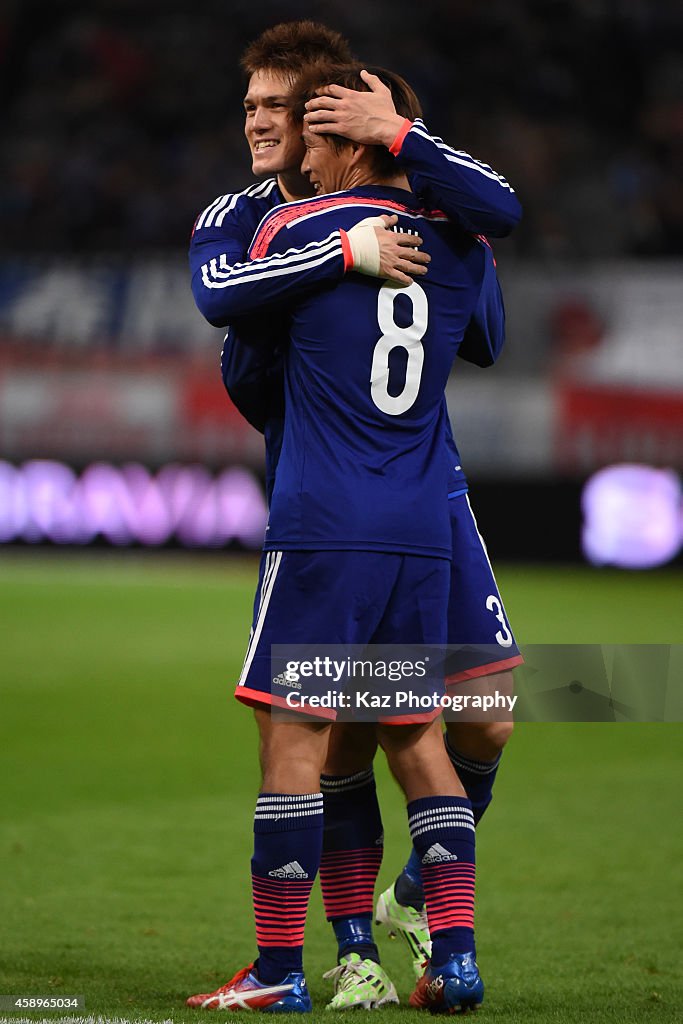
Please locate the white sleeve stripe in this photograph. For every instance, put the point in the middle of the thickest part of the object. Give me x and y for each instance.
(258, 191)
(217, 203)
(304, 250)
(254, 266)
(487, 174)
(206, 218)
(293, 267)
(467, 156)
(221, 208)
(440, 144)
(289, 262)
(464, 158)
(209, 222)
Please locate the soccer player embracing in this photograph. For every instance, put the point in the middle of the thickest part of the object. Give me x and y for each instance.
(227, 287)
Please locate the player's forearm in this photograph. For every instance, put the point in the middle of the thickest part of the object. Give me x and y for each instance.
(472, 194)
(224, 291)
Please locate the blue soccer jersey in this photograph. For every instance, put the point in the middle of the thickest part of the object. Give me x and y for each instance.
(228, 287)
(363, 463)
(252, 366)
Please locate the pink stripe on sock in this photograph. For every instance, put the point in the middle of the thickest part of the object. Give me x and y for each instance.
(347, 880)
(280, 908)
(449, 895)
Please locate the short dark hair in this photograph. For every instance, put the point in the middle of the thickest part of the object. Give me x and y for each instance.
(348, 75)
(291, 46)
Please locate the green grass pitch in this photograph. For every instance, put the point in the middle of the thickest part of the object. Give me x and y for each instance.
(128, 778)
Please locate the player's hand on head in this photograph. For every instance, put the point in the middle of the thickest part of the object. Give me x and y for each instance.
(380, 252)
(369, 118)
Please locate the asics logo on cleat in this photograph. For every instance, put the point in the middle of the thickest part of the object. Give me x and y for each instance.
(453, 987)
(246, 992)
(434, 988)
(255, 999)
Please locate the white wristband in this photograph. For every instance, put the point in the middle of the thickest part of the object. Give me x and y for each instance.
(365, 245)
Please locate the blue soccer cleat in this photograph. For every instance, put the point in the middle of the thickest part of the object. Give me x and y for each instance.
(453, 987)
(246, 992)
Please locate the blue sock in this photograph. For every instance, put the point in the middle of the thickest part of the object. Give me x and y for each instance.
(477, 778)
(354, 935)
(288, 831)
(408, 887)
(442, 829)
(351, 859)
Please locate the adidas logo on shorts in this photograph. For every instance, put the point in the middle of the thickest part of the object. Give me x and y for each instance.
(282, 680)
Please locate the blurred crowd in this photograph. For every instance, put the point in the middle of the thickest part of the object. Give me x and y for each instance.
(123, 118)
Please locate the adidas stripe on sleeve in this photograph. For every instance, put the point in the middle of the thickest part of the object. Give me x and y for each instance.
(215, 214)
(472, 194)
(226, 284)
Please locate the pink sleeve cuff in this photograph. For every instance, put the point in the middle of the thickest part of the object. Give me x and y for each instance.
(346, 249)
(395, 147)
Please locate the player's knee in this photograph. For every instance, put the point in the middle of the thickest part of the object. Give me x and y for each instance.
(496, 734)
(482, 741)
(351, 748)
(298, 772)
(291, 754)
(262, 719)
(418, 761)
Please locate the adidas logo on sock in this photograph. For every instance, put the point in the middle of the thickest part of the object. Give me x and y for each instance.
(437, 854)
(291, 870)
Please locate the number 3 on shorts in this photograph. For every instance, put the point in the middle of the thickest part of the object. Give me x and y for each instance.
(393, 336)
(503, 636)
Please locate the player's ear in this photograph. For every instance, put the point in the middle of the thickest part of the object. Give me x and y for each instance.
(358, 152)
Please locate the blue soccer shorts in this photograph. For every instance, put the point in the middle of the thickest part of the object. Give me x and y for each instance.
(341, 597)
(479, 636)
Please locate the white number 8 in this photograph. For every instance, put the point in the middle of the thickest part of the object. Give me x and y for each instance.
(393, 336)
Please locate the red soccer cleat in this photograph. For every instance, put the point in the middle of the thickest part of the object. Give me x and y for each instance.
(246, 992)
(454, 987)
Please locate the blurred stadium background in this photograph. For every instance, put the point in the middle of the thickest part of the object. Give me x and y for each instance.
(122, 120)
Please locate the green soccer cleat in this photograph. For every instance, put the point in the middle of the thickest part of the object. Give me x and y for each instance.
(411, 924)
(360, 984)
